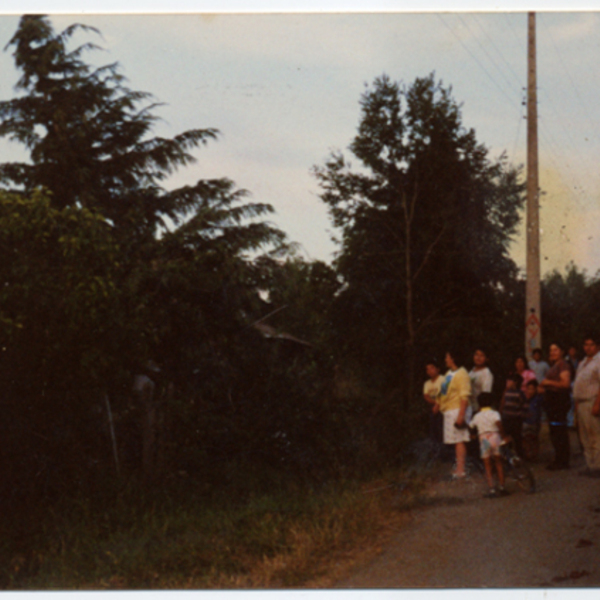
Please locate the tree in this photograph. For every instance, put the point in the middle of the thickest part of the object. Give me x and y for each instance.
(569, 302)
(164, 274)
(88, 137)
(425, 225)
(300, 298)
(61, 326)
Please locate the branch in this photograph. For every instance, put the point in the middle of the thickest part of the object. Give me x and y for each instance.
(414, 202)
(429, 251)
(428, 319)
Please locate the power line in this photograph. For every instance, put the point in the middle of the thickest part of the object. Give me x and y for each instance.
(566, 130)
(490, 77)
(546, 133)
(483, 49)
(552, 149)
(574, 87)
(518, 80)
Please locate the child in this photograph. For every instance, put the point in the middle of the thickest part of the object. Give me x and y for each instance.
(513, 409)
(489, 428)
(531, 424)
(431, 390)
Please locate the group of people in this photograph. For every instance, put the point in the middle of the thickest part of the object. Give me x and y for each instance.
(461, 407)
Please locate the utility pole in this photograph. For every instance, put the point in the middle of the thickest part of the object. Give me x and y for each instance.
(533, 316)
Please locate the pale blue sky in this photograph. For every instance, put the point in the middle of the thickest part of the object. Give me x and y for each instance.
(284, 91)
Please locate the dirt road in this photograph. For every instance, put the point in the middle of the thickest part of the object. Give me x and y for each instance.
(460, 539)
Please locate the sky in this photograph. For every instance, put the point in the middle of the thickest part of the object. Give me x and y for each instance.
(283, 90)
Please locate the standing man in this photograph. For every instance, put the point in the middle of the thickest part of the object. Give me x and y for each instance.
(586, 392)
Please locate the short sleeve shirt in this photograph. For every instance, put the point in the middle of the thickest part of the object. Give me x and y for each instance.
(486, 421)
(587, 380)
(432, 388)
(527, 375)
(482, 380)
(539, 368)
(556, 369)
(456, 387)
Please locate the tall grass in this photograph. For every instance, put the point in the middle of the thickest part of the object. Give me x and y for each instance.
(279, 539)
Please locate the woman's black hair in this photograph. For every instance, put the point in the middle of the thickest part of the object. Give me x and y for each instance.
(485, 399)
(559, 345)
(524, 359)
(516, 378)
(457, 356)
(434, 362)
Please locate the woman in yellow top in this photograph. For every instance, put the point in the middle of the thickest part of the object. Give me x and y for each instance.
(454, 403)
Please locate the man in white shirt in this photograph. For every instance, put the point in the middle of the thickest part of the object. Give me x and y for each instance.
(586, 393)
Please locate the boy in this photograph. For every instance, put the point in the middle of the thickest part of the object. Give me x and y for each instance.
(531, 424)
(538, 365)
(513, 409)
(431, 390)
(489, 428)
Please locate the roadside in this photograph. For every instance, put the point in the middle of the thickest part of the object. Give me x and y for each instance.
(455, 538)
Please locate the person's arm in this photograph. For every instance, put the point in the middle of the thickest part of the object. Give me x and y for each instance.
(435, 407)
(524, 405)
(488, 382)
(596, 405)
(563, 383)
(464, 395)
(462, 410)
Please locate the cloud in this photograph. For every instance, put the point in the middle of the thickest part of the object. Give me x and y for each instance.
(574, 26)
(568, 227)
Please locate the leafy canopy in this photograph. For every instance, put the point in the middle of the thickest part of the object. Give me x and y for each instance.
(89, 138)
(425, 220)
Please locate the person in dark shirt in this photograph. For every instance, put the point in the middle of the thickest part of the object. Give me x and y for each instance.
(557, 400)
(513, 409)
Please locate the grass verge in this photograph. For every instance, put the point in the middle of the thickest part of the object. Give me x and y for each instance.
(292, 538)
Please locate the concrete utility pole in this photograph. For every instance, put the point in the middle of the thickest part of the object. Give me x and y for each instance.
(533, 316)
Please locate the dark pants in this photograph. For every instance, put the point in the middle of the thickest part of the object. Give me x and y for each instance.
(557, 406)
(513, 426)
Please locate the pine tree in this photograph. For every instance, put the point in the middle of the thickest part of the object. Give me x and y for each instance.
(89, 139)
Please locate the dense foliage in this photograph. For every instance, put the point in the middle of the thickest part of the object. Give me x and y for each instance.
(106, 274)
(426, 219)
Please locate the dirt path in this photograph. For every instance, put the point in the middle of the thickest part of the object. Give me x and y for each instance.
(460, 539)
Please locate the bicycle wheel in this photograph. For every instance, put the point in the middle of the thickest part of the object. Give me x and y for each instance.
(524, 477)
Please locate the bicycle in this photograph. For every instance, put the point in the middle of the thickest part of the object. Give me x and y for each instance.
(516, 468)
